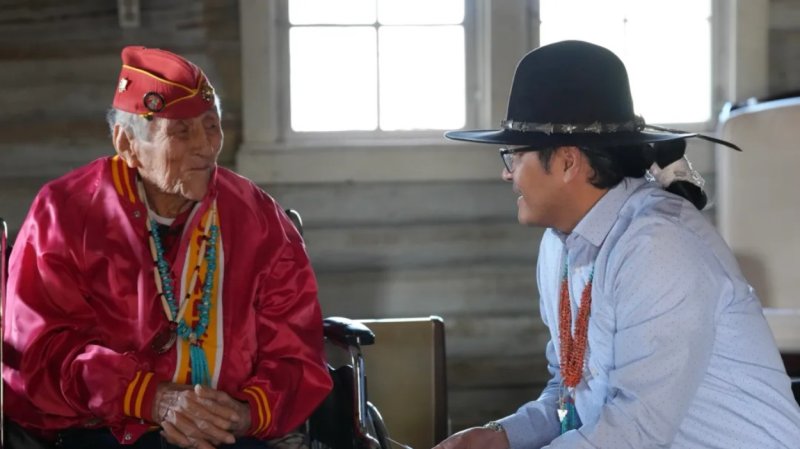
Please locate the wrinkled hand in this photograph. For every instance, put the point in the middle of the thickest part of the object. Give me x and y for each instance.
(475, 438)
(192, 418)
(221, 399)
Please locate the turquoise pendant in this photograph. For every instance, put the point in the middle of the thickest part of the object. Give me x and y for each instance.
(568, 415)
(200, 373)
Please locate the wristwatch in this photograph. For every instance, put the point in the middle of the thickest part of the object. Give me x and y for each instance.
(494, 425)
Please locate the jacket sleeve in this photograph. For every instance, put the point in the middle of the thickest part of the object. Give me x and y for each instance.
(291, 377)
(536, 423)
(56, 355)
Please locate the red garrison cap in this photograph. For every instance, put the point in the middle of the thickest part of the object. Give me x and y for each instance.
(157, 83)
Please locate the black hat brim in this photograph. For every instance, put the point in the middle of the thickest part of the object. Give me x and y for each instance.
(536, 139)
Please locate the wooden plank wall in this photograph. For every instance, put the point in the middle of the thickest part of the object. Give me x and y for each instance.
(59, 62)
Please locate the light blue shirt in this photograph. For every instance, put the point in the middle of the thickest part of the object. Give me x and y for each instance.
(679, 355)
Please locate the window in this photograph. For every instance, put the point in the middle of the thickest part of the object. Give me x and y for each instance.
(376, 65)
(496, 33)
(665, 45)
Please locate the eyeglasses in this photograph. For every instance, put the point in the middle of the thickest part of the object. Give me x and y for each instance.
(507, 155)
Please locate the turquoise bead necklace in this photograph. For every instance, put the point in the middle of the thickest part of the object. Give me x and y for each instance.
(173, 310)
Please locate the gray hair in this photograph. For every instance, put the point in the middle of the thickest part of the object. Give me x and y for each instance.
(136, 124)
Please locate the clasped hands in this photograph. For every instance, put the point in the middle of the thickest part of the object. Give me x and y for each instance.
(199, 417)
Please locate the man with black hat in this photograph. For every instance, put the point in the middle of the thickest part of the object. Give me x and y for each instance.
(657, 341)
(154, 294)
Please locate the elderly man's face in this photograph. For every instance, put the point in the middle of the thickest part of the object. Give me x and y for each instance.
(180, 155)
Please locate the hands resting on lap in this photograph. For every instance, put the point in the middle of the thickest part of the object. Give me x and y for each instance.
(199, 417)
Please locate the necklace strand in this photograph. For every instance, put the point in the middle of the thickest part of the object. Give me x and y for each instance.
(573, 348)
(161, 273)
(173, 310)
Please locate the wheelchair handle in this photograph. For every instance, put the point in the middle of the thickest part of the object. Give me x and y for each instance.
(296, 219)
(344, 332)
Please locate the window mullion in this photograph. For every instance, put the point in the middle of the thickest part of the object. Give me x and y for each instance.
(378, 95)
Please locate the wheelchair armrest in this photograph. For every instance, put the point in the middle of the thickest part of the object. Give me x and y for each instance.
(346, 332)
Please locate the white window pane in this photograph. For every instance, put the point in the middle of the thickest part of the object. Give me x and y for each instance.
(647, 35)
(422, 72)
(574, 13)
(670, 72)
(337, 12)
(333, 78)
(608, 35)
(599, 22)
(679, 10)
(420, 12)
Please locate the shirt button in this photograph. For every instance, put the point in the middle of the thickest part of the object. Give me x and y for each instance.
(136, 214)
(128, 436)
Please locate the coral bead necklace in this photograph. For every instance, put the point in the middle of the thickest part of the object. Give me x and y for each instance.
(573, 347)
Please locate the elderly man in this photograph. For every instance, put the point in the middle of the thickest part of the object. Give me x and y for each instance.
(154, 289)
(656, 339)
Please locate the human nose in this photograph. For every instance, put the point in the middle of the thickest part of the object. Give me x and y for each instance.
(506, 175)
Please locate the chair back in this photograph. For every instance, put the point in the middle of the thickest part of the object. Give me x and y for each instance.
(406, 378)
(756, 191)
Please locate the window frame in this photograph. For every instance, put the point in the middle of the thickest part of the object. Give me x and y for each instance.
(374, 137)
(266, 155)
(503, 31)
(471, 86)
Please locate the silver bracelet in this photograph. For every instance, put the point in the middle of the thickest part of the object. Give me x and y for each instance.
(494, 425)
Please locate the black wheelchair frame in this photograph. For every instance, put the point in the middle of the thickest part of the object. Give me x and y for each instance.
(345, 419)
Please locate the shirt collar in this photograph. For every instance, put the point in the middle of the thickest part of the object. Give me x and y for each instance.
(597, 223)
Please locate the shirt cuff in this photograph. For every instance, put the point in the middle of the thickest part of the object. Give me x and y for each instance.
(521, 431)
(260, 413)
(516, 427)
(138, 400)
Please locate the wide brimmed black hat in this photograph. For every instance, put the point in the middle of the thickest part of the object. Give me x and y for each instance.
(570, 93)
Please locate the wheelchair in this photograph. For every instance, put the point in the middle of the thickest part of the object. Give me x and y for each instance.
(346, 419)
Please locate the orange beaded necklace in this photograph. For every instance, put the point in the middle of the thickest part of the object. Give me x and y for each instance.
(573, 348)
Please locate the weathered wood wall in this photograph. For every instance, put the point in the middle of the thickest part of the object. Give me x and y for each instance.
(60, 60)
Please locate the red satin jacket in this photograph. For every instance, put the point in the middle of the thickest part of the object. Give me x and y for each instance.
(82, 309)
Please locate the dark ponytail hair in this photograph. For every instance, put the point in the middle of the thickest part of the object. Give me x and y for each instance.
(669, 152)
(612, 164)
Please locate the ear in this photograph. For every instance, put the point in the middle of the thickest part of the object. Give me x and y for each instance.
(572, 162)
(124, 143)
